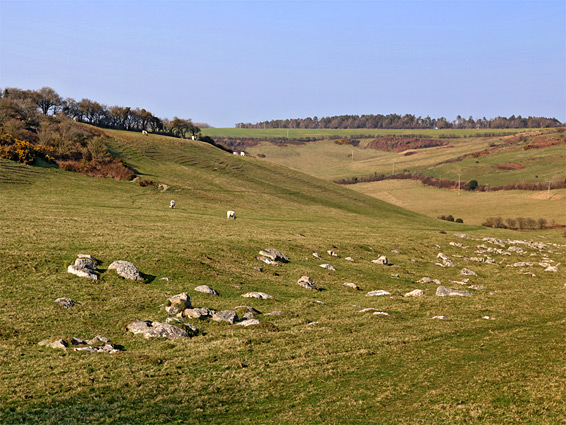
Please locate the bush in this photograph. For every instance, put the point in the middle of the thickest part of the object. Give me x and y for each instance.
(459, 220)
(472, 185)
(450, 218)
(23, 151)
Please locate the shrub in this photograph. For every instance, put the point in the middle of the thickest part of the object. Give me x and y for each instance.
(459, 220)
(23, 151)
(146, 182)
(450, 218)
(472, 185)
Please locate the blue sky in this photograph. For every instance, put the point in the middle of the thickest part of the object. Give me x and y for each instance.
(223, 62)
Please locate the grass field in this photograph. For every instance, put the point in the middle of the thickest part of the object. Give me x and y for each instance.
(472, 207)
(316, 363)
(255, 133)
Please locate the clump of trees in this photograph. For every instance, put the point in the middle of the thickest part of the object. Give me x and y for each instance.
(451, 218)
(519, 223)
(407, 121)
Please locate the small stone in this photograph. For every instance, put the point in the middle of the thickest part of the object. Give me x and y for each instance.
(477, 287)
(266, 260)
(126, 270)
(274, 255)
(201, 313)
(65, 302)
(316, 255)
(551, 269)
(60, 343)
(381, 260)
(258, 295)
(415, 293)
(351, 285)
(205, 289)
(438, 317)
(97, 339)
(85, 263)
(332, 253)
(166, 279)
(274, 313)
(437, 281)
(178, 303)
(225, 316)
(248, 322)
(190, 329)
(349, 259)
(78, 271)
(487, 318)
(380, 313)
(395, 275)
(319, 302)
(307, 283)
(468, 272)
(259, 269)
(443, 291)
(365, 310)
(425, 280)
(327, 267)
(312, 323)
(461, 235)
(395, 251)
(377, 293)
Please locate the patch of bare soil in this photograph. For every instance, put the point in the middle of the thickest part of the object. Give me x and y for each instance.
(507, 166)
(400, 144)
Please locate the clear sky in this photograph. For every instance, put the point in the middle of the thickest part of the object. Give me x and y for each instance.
(223, 62)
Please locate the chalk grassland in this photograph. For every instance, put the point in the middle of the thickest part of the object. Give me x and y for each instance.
(472, 207)
(257, 133)
(347, 367)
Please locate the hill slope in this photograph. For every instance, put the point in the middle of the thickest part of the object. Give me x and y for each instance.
(321, 360)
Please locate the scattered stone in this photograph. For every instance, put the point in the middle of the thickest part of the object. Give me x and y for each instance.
(380, 313)
(268, 261)
(312, 323)
(413, 260)
(248, 315)
(487, 318)
(381, 260)
(225, 316)
(516, 249)
(248, 308)
(89, 257)
(394, 251)
(377, 293)
(151, 329)
(436, 246)
(551, 269)
(443, 291)
(259, 269)
(395, 275)
(274, 313)
(460, 282)
(424, 280)
(437, 281)
(316, 255)
(126, 269)
(178, 303)
(461, 235)
(60, 343)
(85, 263)
(106, 348)
(98, 339)
(438, 317)
(415, 293)
(190, 329)
(319, 302)
(259, 295)
(248, 322)
(65, 302)
(274, 255)
(495, 241)
(446, 261)
(200, 313)
(365, 310)
(307, 283)
(349, 259)
(458, 245)
(205, 289)
(468, 272)
(351, 285)
(332, 253)
(327, 267)
(82, 272)
(166, 279)
(78, 341)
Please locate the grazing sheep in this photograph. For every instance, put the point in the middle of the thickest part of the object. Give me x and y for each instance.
(242, 154)
(230, 215)
(172, 204)
(144, 132)
(235, 153)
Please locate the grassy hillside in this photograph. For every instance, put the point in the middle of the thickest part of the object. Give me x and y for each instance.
(316, 362)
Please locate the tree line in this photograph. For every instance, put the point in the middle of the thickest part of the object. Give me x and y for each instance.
(407, 121)
(29, 106)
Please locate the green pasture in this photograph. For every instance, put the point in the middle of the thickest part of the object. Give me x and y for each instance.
(258, 133)
(472, 207)
(317, 362)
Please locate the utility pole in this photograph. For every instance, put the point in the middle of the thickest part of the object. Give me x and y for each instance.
(459, 184)
(287, 133)
(393, 167)
(352, 155)
(549, 181)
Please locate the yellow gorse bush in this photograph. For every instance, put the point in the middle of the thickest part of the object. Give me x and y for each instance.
(23, 151)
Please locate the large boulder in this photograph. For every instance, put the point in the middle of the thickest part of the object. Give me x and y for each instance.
(443, 291)
(82, 272)
(126, 269)
(307, 283)
(191, 330)
(178, 303)
(225, 316)
(151, 329)
(274, 255)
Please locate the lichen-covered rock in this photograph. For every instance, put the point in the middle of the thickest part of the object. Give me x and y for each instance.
(258, 295)
(351, 285)
(85, 263)
(225, 316)
(274, 255)
(461, 235)
(191, 330)
(248, 322)
(443, 291)
(316, 255)
(178, 303)
(200, 313)
(89, 257)
(205, 289)
(82, 272)
(415, 293)
(425, 280)
(327, 267)
(65, 302)
(106, 348)
(349, 259)
(126, 269)
(468, 272)
(307, 283)
(267, 260)
(477, 287)
(151, 329)
(377, 293)
(274, 313)
(60, 343)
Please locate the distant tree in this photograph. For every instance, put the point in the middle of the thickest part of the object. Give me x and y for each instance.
(47, 98)
(472, 185)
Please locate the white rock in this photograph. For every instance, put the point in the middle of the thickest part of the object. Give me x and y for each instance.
(307, 283)
(380, 313)
(351, 285)
(126, 269)
(205, 289)
(327, 267)
(439, 317)
(332, 253)
(415, 293)
(424, 280)
(81, 272)
(443, 291)
(381, 260)
(349, 259)
(259, 295)
(468, 272)
(316, 255)
(377, 293)
(248, 322)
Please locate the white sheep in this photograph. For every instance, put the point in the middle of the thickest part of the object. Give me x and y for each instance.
(172, 204)
(230, 215)
(235, 153)
(144, 132)
(242, 154)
